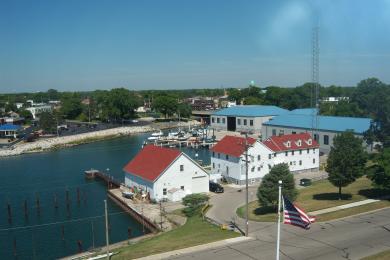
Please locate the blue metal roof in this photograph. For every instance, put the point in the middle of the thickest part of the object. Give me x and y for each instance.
(330, 123)
(251, 111)
(303, 111)
(9, 127)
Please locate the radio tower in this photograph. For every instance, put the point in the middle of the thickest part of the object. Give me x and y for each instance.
(315, 79)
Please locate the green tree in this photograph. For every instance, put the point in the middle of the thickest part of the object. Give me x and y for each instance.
(26, 115)
(346, 160)
(184, 110)
(379, 173)
(71, 106)
(166, 105)
(267, 192)
(119, 103)
(253, 101)
(48, 122)
(235, 95)
(194, 203)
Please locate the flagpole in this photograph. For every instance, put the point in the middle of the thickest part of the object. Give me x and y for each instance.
(279, 204)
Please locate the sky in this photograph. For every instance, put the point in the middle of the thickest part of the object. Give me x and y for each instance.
(73, 45)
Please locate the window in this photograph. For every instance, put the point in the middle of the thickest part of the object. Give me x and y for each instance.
(213, 165)
(281, 132)
(286, 153)
(238, 121)
(252, 158)
(314, 150)
(290, 163)
(269, 166)
(181, 167)
(299, 143)
(227, 157)
(314, 161)
(251, 122)
(213, 154)
(300, 151)
(292, 152)
(300, 162)
(217, 120)
(227, 170)
(308, 150)
(253, 169)
(316, 137)
(270, 156)
(273, 131)
(274, 154)
(182, 187)
(258, 157)
(164, 191)
(223, 120)
(219, 155)
(213, 119)
(244, 121)
(309, 142)
(326, 139)
(293, 132)
(288, 144)
(258, 168)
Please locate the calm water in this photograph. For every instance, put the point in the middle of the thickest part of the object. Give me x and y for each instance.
(47, 232)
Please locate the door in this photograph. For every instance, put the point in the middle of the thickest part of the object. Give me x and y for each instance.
(231, 124)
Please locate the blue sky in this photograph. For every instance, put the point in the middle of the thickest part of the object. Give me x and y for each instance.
(165, 44)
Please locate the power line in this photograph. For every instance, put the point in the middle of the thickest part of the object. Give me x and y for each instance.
(60, 222)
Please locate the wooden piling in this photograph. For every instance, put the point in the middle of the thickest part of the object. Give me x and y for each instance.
(9, 212)
(25, 209)
(63, 232)
(38, 204)
(129, 232)
(15, 248)
(55, 201)
(80, 245)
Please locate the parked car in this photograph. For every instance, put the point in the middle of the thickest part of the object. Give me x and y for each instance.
(215, 187)
(305, 182)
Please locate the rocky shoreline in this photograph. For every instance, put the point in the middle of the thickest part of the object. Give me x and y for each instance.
(68, 141)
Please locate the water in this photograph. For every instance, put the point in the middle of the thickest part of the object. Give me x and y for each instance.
(53, 232)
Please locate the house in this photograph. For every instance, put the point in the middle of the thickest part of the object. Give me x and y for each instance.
(304, 121)
(165, 173)
(9, 131)
(244, 118)
(299, 151)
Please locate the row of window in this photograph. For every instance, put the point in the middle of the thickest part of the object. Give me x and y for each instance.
(316, 136)
(219, 120)
(252, 158)
(244, 121)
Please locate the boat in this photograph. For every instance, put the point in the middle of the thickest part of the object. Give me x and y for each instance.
(153, 138)
(157, 134)
(90, 174)
(128, 194)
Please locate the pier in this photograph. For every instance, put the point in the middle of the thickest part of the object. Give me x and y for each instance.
(145, 213)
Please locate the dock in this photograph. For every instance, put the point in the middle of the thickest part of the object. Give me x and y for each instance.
(145, 213)
(185, 143)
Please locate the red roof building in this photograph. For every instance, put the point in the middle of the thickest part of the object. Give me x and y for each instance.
(290, 142)
(151, 161)
(232, 145)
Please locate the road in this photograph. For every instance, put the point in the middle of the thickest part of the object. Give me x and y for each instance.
(350, 238)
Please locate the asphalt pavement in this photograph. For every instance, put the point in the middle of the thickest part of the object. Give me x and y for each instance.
(349, 238)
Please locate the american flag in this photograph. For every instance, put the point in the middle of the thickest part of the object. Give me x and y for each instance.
(293, 215)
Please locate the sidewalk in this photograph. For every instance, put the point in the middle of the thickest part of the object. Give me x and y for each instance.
(188, 250)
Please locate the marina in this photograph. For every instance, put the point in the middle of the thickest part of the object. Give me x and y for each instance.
(69, 217)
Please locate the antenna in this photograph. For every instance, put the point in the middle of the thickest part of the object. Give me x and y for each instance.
(315, 78)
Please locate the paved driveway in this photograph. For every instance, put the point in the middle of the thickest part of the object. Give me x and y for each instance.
(350, 238)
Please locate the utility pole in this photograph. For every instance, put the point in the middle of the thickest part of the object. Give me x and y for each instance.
(107, 241)
(246, 186)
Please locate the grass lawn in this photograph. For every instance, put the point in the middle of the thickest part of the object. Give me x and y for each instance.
(194, 232)
(381, 256)
(323, 195)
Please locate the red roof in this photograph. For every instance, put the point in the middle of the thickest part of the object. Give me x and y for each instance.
(151, 161)
(297, 142)
(232, 145)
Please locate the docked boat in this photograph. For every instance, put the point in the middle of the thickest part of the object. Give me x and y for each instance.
(157, 134)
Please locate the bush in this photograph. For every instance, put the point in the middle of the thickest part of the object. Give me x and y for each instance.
(194, 203)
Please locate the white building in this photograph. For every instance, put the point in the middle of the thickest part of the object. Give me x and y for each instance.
(327, 127)
(299, 151)
(36, 110)
(165, 173)
(244, 118)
